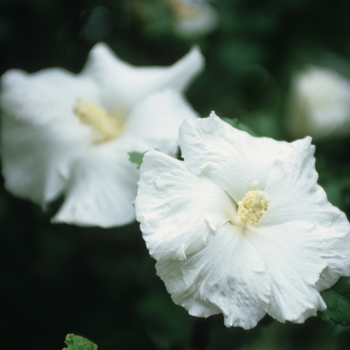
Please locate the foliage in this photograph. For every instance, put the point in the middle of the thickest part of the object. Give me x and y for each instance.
(136, 158)
(337, 299)
(76, 342)
(57, 279)
(236, 124)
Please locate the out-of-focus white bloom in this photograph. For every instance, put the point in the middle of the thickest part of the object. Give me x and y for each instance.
(319, 104)
(71, 134)
(193, 18)
(241, 227)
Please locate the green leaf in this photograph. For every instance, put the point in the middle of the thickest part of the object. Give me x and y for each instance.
(236, 124)
(136, 158)
(337, 299)
(76, 342)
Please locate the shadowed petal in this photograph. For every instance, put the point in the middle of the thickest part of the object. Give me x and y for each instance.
(227, 276)
(102, 187)
(178, 211)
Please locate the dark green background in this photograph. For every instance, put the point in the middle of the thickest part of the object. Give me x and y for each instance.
(59, 279)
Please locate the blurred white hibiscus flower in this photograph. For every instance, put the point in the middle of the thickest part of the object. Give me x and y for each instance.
(65, 133)
(193, 18)
(319, 104)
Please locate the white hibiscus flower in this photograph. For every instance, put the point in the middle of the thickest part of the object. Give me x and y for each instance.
(70, 134)
(319, 104)
(240, 227)
(193, 18)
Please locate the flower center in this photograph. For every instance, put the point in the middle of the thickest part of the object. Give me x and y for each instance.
(104, 126)
(252, 207)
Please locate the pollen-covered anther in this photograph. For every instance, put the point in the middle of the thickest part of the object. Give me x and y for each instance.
(252, 207)
(104, 126)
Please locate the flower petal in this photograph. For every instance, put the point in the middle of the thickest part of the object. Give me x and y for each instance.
(177, 210)
(295, 255)
(226, 276)
(41, 136)
(102, 186)
(294, 192)
(158, 118)
(230, 157)
(124, 85)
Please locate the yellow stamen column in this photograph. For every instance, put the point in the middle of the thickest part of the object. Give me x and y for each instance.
(104, 126)
(252, 207)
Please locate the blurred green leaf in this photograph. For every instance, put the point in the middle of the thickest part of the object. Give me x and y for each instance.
(136, 158)
(238, 125)
(76, 342)
(337, 299)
